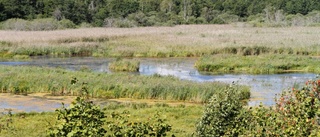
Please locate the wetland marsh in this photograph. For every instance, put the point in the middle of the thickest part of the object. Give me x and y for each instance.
(177, 68)
(196, 44)
(263, 87)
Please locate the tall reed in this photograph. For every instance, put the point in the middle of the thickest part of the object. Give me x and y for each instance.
(25, 80)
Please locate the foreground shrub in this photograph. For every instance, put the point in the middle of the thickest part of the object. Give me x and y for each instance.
(83, 118)
(222, 115)
(120, 126)
(296, 113)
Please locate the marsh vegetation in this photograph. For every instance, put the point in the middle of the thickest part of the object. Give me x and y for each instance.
(260, 38)
(218, 48)
(25, 80)
(263, 64)
(178, 41)
(125, 65)
(226, 114)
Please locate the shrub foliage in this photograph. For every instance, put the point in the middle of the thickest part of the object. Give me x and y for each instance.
(296, 113)
(83, 118)
(120, 126)
(221, 116)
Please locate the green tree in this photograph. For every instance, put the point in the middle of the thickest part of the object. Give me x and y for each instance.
(122, 8)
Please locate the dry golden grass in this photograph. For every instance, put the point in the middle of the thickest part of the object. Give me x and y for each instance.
(185, 38)
(215, 35)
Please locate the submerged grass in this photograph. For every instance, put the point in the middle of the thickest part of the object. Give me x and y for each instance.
(25, 80)
(125, 65)
(182, 119)
(178, 41)
(263, 64)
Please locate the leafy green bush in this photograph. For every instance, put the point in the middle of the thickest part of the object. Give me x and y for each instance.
(296, 113)
(82, 118)
(120, 126)
(222, 116)
(65, 23)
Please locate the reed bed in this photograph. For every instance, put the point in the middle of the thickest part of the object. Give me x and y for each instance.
(178, 41)
(125, 65)
(25, 80)
(263, 64)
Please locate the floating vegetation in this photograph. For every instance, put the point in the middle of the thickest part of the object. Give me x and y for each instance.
(125, 65)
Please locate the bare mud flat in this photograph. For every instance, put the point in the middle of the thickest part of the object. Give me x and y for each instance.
(38, 102)
(44, 102)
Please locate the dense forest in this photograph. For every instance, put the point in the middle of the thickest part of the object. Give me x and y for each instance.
(153, 12)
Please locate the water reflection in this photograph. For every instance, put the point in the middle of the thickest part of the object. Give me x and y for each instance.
(263, 87)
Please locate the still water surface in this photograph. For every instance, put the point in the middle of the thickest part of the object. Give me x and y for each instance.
(263, 87)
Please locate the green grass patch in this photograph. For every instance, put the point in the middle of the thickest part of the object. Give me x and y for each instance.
(263, 64)
(182, 119)
(125, 65)
(25, 80)
(27, 124)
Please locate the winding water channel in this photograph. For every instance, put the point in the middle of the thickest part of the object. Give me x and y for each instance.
(263, 87)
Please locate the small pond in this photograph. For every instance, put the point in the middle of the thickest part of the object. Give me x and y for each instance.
(263, 87)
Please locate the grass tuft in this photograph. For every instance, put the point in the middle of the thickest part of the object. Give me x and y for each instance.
(125, 65)
(263, 64)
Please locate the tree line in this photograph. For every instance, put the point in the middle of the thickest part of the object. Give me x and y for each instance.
(150, 12)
